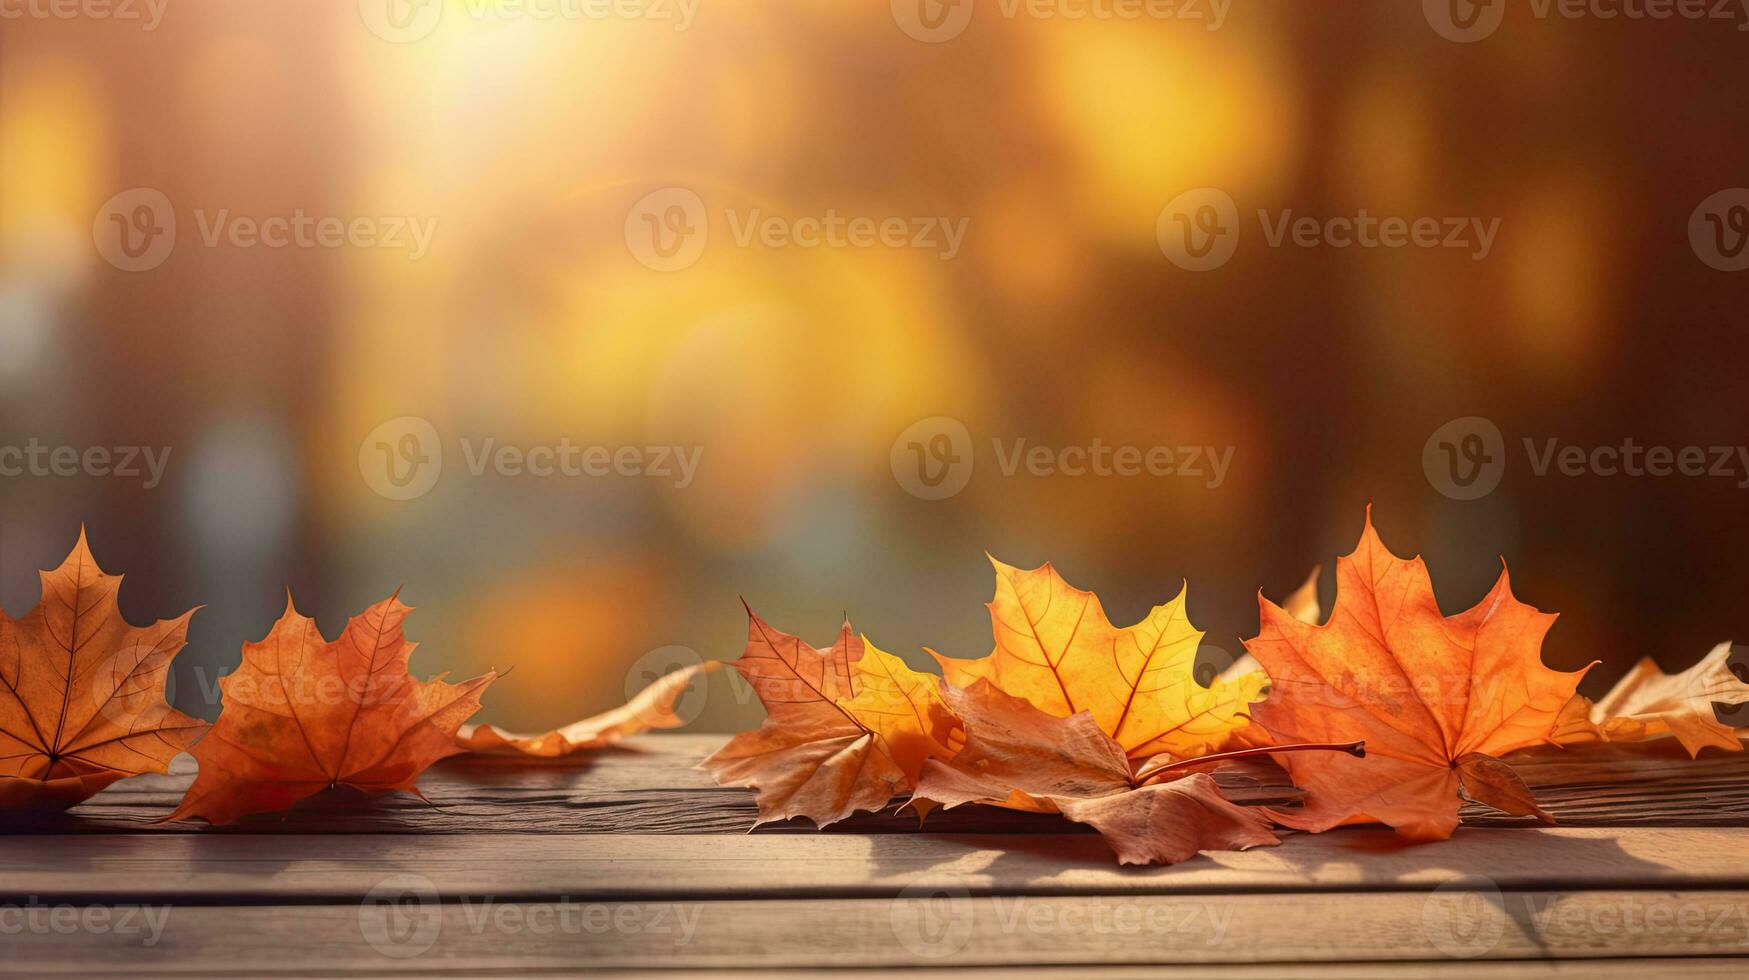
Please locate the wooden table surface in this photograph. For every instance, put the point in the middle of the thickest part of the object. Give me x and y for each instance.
(633, 861)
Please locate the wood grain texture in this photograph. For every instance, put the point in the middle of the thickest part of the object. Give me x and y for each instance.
(651, 787)
(632, 845)
(387, 937)
(222, 870)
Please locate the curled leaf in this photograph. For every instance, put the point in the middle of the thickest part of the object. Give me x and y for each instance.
(651, 708)
(1648, 703)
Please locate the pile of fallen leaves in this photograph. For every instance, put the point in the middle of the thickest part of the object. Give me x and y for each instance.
(1390, 712)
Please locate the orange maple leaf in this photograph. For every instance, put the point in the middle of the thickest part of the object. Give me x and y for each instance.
(82, 692)
(1436, 698)
(1019, 757)
(1056, 648)
(847, 727)
(653, 707)
(303, 715)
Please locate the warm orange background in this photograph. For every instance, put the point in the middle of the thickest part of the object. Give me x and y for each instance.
(1060, 321)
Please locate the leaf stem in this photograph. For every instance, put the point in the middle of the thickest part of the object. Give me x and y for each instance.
(1357, 749)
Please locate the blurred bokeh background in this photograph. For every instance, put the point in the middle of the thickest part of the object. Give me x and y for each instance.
(536, 316)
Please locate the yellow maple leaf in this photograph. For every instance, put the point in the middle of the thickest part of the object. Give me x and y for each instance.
(1056, 648)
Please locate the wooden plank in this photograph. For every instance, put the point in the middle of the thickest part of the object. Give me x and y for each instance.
(1637, 969)
(652, 787)
(1449, 970)
(1452, 970)
(389, 936)
(218, 869)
